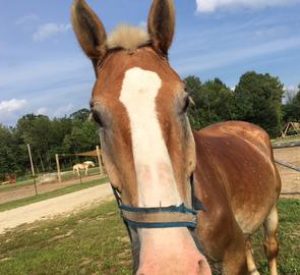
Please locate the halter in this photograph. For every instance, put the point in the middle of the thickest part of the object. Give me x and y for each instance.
(135, 218)
(158, 217)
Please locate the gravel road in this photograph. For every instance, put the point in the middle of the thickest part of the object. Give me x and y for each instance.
(55, 206)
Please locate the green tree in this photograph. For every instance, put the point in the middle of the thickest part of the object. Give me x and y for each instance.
(291, 110)
(193, 86)
(213, 102)
(258, 100)
(47, 137)
(36, 131)
(219, 101)
(81, 115)
(9, 153)
(83, 137)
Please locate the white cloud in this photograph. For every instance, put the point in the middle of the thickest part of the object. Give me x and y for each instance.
(49, 30)
(63, 110)
(12, 105)
(44, 72)
(41, 111)
(52, 83)
(213, 5)
(205, 62)
(27, 19)
(55, 111)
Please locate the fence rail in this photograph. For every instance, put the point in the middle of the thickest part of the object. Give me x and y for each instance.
(286, 145)
(288, 165)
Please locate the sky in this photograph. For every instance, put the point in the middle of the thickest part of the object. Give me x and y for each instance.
(43, 70)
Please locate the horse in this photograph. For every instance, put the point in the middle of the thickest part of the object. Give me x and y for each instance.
(188, 199)
(83, 166)
(10, 179)
(90, 163)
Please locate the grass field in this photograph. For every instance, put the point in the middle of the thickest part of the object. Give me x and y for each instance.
(9, 187)
(95, 242)
(49, 195)
(286, 140)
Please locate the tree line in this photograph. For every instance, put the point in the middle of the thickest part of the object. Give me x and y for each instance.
(257, 98)
(47, 137)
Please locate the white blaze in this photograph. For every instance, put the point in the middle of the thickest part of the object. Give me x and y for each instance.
(155, 177)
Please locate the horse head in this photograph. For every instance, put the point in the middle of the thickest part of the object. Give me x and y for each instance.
(140, 104)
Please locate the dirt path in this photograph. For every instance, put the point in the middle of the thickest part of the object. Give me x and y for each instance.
(55, 206)
(290, 178)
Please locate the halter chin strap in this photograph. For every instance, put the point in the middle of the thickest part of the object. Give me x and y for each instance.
(158, 217)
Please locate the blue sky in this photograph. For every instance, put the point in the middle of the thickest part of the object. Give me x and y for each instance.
(43, 71)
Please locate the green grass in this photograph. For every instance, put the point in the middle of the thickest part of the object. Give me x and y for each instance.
(95, 242)
(289, 238)
(10, 187)
(286, 140)
(92, 242)
(49, 195)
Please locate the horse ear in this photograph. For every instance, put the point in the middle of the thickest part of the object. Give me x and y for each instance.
(161, 24)
(89, 30)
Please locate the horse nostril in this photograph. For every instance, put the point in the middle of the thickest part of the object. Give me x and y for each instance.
(204, 268)
(200, 263)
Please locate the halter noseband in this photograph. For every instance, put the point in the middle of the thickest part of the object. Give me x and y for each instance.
(157, 217)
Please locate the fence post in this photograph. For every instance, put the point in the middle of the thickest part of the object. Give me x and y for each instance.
(58, 168)
(32, 168)
(99, 160)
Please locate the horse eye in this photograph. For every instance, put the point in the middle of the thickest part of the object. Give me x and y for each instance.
(186, 104)
(96, 117)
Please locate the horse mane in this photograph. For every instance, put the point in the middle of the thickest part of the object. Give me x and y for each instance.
(127, 37)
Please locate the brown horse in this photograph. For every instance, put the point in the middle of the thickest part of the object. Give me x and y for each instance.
(161, 171)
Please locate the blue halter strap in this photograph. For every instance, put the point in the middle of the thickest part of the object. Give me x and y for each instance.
(158, 217)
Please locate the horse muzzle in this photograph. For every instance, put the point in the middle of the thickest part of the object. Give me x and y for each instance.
(162, 239)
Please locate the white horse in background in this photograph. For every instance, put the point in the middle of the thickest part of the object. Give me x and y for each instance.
(83, 166)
